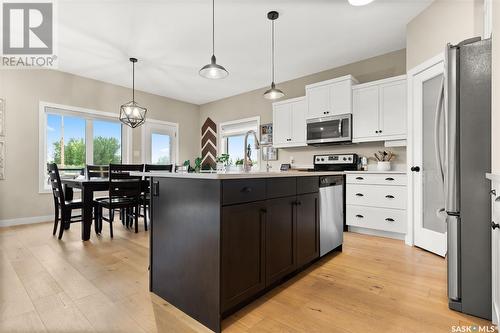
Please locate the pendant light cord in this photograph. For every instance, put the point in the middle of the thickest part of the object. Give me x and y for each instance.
(133, 81)
(213, 27)
(272, 48)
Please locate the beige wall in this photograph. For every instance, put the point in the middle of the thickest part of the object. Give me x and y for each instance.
(442, 22)
(24, 89)
(252, 104)
(495, 107)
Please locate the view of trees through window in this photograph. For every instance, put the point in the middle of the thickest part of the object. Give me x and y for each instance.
(234, 147)
(66, 144)
(160, 149)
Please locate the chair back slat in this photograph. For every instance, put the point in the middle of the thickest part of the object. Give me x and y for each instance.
(158, 167)
(97, 171)
(122, 184)
(55, 182)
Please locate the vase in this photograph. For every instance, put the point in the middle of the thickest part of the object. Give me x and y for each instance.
(384, 166)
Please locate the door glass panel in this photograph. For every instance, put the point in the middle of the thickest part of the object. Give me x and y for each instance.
(107, 138)
(432, 187)
(160, 149)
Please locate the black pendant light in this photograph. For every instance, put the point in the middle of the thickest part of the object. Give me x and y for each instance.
(273, 93)
(131, 113)
(212, 70)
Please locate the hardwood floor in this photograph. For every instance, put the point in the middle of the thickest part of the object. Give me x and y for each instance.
(374, 285)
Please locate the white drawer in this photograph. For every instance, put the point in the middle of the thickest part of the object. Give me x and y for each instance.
(376, 178)
(376, 196)
(393, 220)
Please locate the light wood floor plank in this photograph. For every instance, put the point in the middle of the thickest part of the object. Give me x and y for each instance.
(374, 285)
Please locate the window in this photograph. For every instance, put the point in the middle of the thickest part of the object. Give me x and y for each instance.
(74, 137)
(159, 142)
(232, 138)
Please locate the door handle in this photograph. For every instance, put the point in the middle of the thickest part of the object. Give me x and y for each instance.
(415, 168)
(389, 196)
(389, 179)
(494, 225)
(359, 194)
(246, 189)
(359, 216)
(155, 189)
(359, 178)
(389, 219)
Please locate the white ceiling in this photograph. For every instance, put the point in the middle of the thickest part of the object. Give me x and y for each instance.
(172, 39)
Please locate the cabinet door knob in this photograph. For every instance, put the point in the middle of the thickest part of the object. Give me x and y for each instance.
(494, 225)
(359, 216)
(389, 179)
(389, 219)
(380, 131)
(359, 178)
(389, 196)
(415, 168)
(246, 189)
(359, 194)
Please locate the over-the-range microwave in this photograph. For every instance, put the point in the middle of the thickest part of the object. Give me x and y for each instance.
(329, 130)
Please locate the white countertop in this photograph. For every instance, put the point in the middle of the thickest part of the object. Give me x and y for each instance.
(236, 175)
(257, 174)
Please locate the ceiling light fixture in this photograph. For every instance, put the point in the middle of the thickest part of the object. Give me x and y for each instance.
(273, 93)
(212, 70)
(131, 113)
(360, 2)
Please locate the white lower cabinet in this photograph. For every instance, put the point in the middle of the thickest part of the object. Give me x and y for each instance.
(377, 201)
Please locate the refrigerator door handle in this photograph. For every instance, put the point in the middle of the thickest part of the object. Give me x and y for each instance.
(453, 255)
(437, 134)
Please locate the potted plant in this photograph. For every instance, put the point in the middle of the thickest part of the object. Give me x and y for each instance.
(222, 162)
(384, 159)
(239, 165)
(197, 164)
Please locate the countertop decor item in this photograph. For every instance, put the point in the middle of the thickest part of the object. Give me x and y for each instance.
(384, 160)
(213, 70)
(222, 162)
(131, 113)
(273, 92)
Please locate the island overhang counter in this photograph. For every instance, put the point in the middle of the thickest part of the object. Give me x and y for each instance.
(220, 240)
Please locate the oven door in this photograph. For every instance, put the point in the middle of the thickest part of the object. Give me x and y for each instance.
(335, 129)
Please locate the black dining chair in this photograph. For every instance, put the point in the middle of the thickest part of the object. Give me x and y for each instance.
(124, 194)
(61, 203)
(146, 196)
(97, 171)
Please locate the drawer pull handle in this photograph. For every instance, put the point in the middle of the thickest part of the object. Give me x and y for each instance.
(389, 219)
(246, 189)
(359, 216)
(359, 194)
(359, 178)
(389, 196)
(389, 179)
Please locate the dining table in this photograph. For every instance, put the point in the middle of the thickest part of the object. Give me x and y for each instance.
(87, 188)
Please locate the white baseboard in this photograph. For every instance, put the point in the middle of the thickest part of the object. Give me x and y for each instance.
(26, 220)
(379, 233)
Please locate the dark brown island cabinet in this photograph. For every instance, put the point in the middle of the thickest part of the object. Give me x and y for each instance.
(217, 244)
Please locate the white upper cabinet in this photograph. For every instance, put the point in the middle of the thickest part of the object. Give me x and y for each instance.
(329, 98)
(379, 110)
(289, 123)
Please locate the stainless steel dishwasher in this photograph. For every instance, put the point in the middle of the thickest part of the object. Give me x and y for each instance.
(331, 216)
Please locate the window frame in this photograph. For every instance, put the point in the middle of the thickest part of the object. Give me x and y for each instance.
(89, 115)
(145, 158)
(238, 127)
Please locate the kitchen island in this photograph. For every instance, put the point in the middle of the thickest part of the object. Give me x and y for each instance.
(220, 240)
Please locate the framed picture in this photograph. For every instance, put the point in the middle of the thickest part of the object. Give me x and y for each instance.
(269, 153)
(2, 116)
(2, 158)
(266, 134)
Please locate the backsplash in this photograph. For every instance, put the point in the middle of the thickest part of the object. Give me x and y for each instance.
(303, 156)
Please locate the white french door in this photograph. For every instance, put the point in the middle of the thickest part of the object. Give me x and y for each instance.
(159, 142)
(427, 152)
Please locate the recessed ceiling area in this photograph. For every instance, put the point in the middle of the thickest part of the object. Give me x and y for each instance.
(172, 40)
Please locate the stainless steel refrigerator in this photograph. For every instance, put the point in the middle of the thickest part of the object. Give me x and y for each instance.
(467, 125)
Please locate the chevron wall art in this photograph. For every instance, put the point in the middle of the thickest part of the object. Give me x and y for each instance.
(209, 144)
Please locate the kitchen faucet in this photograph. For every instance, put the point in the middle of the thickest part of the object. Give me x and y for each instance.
(247, 162)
